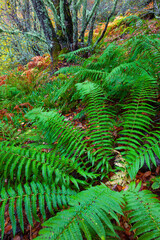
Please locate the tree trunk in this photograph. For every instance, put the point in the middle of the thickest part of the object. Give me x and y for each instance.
(67, 35)
(27, 15)
(75, 25)
(49, 32)
(84, 19)
(12, 13)
(156, 5)
(88, 19)
(68, 21)
(90, 36)
(106, 25)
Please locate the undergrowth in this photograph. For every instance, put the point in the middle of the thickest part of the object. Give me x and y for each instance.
(118, 89)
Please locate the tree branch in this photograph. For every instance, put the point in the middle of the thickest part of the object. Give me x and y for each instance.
(106, 25)
(97, 2)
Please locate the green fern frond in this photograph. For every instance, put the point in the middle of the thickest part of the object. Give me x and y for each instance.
(56, 128)
(110, 58)
(90, 213)
(62, 91)
(81, 74)
(68, 70)
(125, 77)
(91, 74)
(32, 196)
(75, 55)
(136, 119)
(8, 92)
(144, 45)
(145, 154)
(100, 125)
(70, 141)
(27, 164)
(7, 131)
(91, 70)
(144, 213)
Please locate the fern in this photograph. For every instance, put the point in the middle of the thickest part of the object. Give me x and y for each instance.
(56, 128)
(144, 212)
(74, 55)
(7, 131)
(118, 89)
(8, 92)
(145, 154)
(91, 70)
(137, 115)
(117, 67)
(89, 213)
(32, 195)
(70, 142)
(100, 125)
(144, 45)
(23, 164)
(111, 57)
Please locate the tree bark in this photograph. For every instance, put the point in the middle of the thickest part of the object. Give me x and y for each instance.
(84, 19)
(49, 32)
(106, 25)
(75, 25)
(12, 13)
(90, 36)
(27, 15)
(88, 20)
(68, 21)
(156, 5)
(67, 35)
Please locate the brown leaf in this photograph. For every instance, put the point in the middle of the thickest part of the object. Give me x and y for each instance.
(8, 228)
(119, 188)
(146, 174)
(17, 237)
(158, 170)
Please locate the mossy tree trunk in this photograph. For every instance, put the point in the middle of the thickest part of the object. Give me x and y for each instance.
(54, 46)
(75, 25)
(65, 26)
(27, 15)
(68, 21)
(11, 11)
(157, 8)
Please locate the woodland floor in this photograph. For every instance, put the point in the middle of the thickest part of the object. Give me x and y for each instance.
(146, 177)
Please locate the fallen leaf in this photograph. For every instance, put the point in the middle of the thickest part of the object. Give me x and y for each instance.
(17, 237)
(146, 174)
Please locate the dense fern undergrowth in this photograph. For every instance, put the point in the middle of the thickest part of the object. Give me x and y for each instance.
(119, 89)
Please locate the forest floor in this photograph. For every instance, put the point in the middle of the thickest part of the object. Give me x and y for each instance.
(34, 77)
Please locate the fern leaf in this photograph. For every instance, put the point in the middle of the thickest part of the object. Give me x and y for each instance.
(22, 163)
(19, 206)
(70, 141)
(90, 213)
(74, 55)
(100, 121)
(4, 197)
(145, 154)
(53, 125)
(144, 212)
(137, 115)
(33, 195)
(12, 195)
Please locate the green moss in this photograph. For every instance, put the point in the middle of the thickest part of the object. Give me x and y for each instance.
(61, 76)
(59, 33)
(128, 30)
(63, 51)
